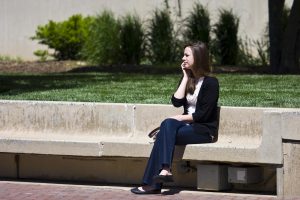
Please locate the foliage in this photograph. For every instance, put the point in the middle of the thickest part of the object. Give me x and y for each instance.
(263, 48)
(106, 40)
(5, 58)
(42, 54)
(225, 45)
(66, 38)
(162, 44)
(103, 42)
(198, 25)
(247, 56)
(131, 39)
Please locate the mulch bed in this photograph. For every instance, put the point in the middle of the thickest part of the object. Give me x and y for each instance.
(76, 66)
(37, 67)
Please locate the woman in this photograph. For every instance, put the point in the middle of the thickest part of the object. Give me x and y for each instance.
(198, 93)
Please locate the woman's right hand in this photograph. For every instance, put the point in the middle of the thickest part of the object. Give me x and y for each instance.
(180, 92)
(184, 70)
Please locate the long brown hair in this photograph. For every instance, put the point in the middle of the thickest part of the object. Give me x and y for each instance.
(201, 66)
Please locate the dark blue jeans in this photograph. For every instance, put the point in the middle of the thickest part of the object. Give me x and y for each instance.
(172, 132)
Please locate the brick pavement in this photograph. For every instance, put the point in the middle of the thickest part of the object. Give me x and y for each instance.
(13, 190)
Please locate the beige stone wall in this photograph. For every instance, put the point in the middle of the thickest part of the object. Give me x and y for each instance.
(19, 19)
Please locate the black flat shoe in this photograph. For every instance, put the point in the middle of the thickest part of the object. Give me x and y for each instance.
(163, 178)
(137, 191)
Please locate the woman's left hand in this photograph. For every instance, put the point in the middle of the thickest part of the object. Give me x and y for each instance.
(187, 118)
(177, 117)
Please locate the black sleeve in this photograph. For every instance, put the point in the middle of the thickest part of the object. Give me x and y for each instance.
(207, 100)
(178, 102)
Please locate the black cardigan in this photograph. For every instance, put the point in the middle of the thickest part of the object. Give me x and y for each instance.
(206, 113)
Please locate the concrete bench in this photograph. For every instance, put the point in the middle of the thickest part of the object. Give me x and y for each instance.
(115, 135)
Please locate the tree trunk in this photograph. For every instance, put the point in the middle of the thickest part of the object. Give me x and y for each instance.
(275, 33)
(291, 42)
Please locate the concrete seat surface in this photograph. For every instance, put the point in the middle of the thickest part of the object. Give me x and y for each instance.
(97, 129)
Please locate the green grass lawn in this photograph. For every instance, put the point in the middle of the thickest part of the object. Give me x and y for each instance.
(235, 89)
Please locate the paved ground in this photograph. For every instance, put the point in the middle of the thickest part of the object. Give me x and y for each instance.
(12, 190)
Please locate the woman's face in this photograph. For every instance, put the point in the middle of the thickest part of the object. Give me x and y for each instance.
(188, 58)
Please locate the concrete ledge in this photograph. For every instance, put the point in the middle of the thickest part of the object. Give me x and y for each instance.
(102, 142)
(66, 118)
(73, 148)
(246, 135)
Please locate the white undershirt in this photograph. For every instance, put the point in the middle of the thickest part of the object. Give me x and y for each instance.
(192, 98)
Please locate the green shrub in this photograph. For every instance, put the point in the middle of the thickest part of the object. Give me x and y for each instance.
(246, 55)
(198, 25)
(42, 54)
(6, 58)
(66, 38)
(225, 45)
(262, 47)
(131, 39)
(103, 42)
(162, 44)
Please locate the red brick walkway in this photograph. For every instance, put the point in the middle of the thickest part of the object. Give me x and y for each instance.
(12, 190)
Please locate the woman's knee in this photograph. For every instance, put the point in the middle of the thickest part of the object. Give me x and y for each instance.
(168, 122)
(169, 126)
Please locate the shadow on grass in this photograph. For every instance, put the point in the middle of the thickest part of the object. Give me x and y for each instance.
(16, 84)
(24, 83)
(138, 69)
(167, 69)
